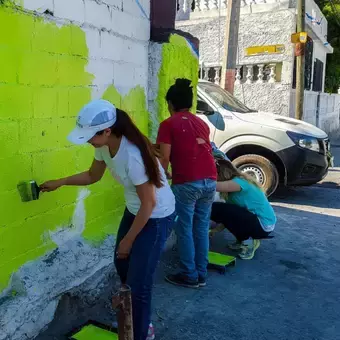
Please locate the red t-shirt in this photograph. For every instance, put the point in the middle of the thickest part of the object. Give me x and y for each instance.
(191, 153)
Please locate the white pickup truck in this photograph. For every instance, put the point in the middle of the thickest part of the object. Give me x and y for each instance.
(275, 149)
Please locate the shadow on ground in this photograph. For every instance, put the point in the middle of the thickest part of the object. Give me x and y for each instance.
(288, 291)
(316, 196)
(329, 185)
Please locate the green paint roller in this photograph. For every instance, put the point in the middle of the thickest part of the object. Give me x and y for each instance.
(220, 262)
(28, 190)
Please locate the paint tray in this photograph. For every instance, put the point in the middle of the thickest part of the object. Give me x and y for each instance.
(220, 262)
(94, 331)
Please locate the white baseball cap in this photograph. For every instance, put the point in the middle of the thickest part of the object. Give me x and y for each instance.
(95, 116)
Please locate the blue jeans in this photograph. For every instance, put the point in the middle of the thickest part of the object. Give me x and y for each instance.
(193, 208)
(138, 269)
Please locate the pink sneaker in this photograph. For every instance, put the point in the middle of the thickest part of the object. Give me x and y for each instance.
(151, 333)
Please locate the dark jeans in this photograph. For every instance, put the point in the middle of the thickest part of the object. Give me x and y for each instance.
(239, 221)
(138, 269)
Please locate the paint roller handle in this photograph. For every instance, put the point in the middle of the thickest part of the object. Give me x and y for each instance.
(52, 185)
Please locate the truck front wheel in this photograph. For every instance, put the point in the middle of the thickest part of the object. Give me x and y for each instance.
(262, 169)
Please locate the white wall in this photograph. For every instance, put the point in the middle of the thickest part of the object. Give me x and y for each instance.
(326, 116)
(329, 114)
(318, 23)
(117, 34)
(268, 28)
(211, 33)
(309, 108)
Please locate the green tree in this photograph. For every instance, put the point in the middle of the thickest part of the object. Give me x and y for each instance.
(331, 10)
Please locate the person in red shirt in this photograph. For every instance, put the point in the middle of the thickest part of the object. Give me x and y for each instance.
(184, 142)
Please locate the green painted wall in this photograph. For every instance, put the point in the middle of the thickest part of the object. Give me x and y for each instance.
(178, 61)
(43, 84)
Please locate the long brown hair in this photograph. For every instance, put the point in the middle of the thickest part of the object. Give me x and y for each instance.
(226, 172)
(124, 126)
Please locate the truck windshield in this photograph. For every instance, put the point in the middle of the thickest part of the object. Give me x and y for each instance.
(224, 98)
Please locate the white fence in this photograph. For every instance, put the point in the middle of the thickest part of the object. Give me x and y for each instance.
(329, 113)
(320, 109)
(192, 9)
(310, 106)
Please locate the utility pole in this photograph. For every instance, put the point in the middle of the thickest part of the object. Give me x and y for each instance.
(300, 60)
(231, 44)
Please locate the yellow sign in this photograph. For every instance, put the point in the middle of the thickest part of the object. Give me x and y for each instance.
(269, 49)
(300, 37)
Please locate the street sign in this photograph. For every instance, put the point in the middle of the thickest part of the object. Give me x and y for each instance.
(267, 49)
(300, 37)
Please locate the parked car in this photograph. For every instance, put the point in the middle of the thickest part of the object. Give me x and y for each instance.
(272, 148)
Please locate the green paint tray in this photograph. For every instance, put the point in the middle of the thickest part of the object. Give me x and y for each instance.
(94, 331)
(220, 262)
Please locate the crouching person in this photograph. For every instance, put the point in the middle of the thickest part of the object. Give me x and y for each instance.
(247, 214)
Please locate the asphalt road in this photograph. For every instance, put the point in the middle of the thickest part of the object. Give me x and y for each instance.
(290, 290)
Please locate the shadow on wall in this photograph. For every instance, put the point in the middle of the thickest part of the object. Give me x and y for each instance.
(91, 301)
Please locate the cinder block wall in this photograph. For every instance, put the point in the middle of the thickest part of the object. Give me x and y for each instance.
(56, 55)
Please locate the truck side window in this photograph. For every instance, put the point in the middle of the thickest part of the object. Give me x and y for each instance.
(203, 107)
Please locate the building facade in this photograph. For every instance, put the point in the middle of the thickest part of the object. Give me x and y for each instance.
(266, 81)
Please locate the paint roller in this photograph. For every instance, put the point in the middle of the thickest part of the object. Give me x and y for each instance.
(28, 190)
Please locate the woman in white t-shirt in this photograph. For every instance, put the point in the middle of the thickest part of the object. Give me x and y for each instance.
(150, 203)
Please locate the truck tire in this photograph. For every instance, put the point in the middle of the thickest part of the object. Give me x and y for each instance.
(262, 169)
